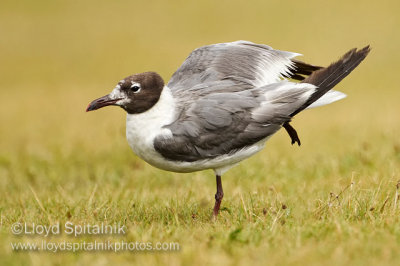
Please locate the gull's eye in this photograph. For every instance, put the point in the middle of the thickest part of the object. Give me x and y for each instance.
(135, 88)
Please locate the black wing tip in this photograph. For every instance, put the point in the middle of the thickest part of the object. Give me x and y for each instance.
(359, 53)
(326, 78)
(365, 51)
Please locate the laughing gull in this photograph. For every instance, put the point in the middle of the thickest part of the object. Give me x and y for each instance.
(222, 105)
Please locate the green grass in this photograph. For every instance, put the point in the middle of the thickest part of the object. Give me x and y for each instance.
(332, 201)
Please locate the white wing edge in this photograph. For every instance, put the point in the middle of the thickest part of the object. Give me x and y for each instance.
(327, 98)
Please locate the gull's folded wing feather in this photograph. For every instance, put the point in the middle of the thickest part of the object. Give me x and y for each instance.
(238, 63)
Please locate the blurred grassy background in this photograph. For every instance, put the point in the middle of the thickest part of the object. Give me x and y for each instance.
(57, 56)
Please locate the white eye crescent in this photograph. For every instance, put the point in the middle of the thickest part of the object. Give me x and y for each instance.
(135, 87)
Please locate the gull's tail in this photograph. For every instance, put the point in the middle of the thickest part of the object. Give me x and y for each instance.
(326, 78)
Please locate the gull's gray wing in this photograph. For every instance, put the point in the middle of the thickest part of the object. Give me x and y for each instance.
(240, 63)
(224, 122)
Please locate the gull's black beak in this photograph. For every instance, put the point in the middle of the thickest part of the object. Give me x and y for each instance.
(101, 102)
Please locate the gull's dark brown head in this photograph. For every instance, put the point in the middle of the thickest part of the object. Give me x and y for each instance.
(135, 94)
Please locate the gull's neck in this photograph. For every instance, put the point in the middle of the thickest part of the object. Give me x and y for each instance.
(141, 129)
